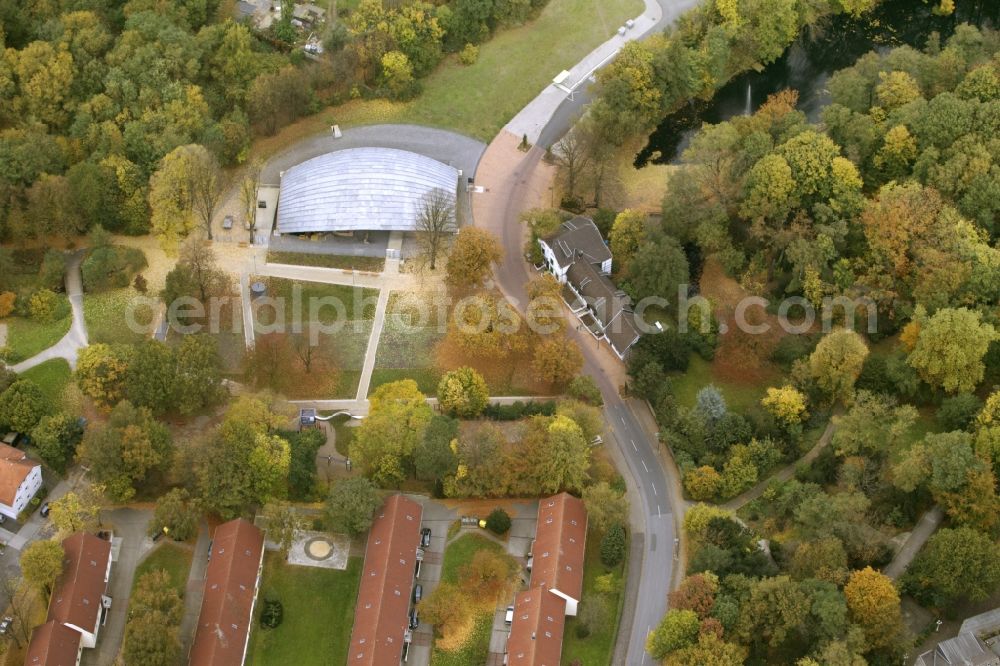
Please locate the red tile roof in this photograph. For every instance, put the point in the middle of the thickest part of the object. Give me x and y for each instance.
(77, 597)
(53, 644)
(230, 592)
(14, 469)
(560, 544)
(536, 633)
(380, 619)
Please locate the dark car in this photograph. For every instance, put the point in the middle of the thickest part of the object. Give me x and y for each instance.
(418, 593)
(414, 620)
(44, 510)
(425, 537)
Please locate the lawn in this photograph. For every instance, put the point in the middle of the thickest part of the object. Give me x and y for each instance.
(700, 373)
(318, 614)
(376, 264)
(171, 557)
(51, 376)
(476, 648)
(426, 378)
(26, 337)
(110, 317)
(408, 341)
(478, 100)
(597, 648)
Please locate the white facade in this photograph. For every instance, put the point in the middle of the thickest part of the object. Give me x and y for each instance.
(31, 485)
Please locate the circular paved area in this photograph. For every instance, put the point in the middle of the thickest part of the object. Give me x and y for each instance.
(451, 148)
(319, 548)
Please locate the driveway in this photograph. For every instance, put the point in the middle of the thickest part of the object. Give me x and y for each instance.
(438, 518)
(130, 526)
(194, 592)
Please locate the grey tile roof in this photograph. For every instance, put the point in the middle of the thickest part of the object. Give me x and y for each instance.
(360, 189)
(579, 235)
(610, 306)
(964, 650)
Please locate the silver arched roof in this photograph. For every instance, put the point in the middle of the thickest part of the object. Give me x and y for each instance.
(360, 189)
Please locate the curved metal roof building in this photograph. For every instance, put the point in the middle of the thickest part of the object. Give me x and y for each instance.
(360, 189)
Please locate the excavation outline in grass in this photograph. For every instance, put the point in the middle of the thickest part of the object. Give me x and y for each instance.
(117, 316)
(344, 262)
(318, 607)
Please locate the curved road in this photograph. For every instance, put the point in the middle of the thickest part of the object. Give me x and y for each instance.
(514, 182)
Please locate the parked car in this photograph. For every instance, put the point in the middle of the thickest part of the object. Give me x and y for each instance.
(508, 618)
(3, 519)
(418, 593)
(44, 510)
(425, 537)
(5, 624)
(414, 620)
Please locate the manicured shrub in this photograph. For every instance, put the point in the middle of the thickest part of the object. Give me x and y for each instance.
(272, 614)
(498, 521)
(613, 545)
(469, 55)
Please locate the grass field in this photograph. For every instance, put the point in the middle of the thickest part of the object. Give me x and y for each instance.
(739, 397)
(376, 264)
(174, 559)
(476, 648)
(26, 337)
(318, 614)
(426, 378)
(107, 316)
(477, 100)
(597, 648)
(51, 376)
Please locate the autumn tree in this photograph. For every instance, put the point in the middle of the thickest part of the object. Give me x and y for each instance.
(659, 268)
(950, 349)
(678, 629)
(556, 360)
(76, 512)
(571, 155)
(122, 453)
(956, 564)
(245, 462)
(184, 193)
(283, 524)
(627, 235)
(471, 260)
(41, 563)
(249, 187)
(786, 404)
(22, 405)
(873, 604)
(101, 371)
(463, 393)
(605, 506)
(152, 629)
(837, 361)
(55, 438)
(486, 326)
(384, 442)
(176, 514)
(433, 456)
(874, 426)
(435, 220)
(449, 609)
(351, 505)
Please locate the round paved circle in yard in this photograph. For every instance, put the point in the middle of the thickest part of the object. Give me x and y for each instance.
(319, 549)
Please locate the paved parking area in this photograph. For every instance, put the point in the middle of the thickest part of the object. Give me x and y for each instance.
(438, 518)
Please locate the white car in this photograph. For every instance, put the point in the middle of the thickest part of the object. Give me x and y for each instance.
(508, 618)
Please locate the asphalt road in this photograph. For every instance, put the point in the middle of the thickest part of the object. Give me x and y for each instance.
(637, 446)
(572, 108)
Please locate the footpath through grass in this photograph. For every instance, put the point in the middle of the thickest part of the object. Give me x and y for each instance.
(26, 337)
(175, 559)
(51, 376)
(318, 609)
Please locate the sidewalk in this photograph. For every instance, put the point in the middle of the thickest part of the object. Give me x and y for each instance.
(533, 118)
(924, 529)
(195, 589)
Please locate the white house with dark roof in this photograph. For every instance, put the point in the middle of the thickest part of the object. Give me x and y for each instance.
(20, 479)
(580, 259)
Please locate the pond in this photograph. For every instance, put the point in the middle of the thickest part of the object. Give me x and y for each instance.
(808, 63)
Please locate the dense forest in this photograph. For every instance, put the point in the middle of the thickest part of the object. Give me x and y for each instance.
(95, 93)
(890, 200)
